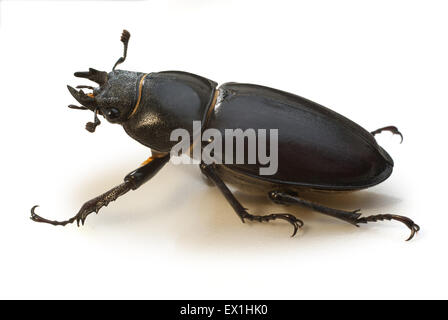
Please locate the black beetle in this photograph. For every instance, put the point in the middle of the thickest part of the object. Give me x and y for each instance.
(317, 147)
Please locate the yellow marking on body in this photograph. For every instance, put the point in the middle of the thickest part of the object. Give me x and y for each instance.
(155, 155)
(140, 88)
(91, 95)
(144, 163)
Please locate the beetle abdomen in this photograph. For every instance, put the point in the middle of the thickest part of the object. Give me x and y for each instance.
(317, 147)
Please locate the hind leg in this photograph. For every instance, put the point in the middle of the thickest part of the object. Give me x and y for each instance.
(353, 217)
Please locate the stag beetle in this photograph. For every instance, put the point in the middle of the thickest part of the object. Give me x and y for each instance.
(318, 148)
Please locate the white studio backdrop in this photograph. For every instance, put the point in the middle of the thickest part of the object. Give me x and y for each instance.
(377, 62)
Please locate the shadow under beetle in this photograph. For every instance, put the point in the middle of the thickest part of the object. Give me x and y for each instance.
(318, 148)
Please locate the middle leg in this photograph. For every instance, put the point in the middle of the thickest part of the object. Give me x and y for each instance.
(210, 172)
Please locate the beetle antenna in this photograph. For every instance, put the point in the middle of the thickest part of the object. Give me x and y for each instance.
(91, 126)
(125, 39)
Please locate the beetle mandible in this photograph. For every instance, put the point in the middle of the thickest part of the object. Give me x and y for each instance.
(318, 148)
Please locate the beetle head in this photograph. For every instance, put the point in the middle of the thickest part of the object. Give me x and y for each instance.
(114, 96)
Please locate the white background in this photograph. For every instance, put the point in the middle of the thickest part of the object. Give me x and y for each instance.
(377, 62)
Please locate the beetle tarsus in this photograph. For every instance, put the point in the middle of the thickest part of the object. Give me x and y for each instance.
(36, 218)
(90, 206)
(296, 223)
(392, 129)
(405, 220)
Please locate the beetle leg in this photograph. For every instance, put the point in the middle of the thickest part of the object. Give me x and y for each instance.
(206, 176)
(210, 172)
(405, 220)
(131, 182)
(93, 205)
(392, 129)
(353, 217)
(291, 197)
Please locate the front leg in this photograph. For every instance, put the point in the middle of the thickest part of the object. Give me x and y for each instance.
(131, 182)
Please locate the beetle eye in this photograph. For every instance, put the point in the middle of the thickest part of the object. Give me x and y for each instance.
(112, 113)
